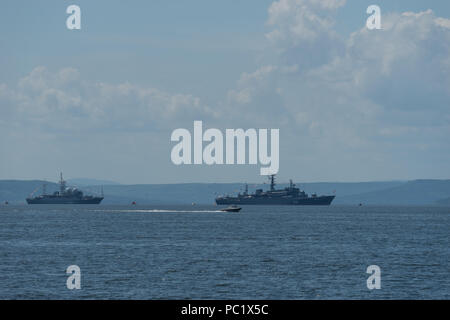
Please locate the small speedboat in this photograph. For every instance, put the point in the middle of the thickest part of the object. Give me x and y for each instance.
(231, 209)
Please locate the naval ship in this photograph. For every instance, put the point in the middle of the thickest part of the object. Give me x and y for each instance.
(65, 195)
(287, 196)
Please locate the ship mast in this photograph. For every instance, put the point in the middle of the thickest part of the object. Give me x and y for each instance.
(272, 182)
(62, 185)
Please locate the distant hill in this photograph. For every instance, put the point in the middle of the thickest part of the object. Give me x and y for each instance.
(444, 202)
(15, 191)
(90, 182)
(417, 192)
(200, 193)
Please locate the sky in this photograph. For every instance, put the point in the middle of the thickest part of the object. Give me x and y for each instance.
(351, 104)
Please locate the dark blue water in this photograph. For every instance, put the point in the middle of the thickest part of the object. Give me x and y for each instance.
(198, 253)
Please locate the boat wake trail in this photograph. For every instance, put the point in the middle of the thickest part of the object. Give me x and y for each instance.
(159, 211)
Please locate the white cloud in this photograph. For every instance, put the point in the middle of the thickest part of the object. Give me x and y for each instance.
(377, 84)
(62, 100)
(443, 22)
(403, 67)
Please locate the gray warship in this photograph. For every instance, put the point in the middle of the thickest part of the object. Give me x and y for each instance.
(287, 196)
(65, 195)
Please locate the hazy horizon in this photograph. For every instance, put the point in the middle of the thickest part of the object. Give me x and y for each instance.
(262, 181)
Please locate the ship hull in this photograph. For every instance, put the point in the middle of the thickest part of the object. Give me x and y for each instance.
(310, 201)
(62, 200)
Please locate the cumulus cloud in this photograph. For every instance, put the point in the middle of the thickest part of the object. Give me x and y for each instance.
(63, 100)
(303, 31)
(375, 95)
(403, 67)
(300, 20)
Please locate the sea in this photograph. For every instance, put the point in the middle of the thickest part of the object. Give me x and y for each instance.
(199, 252)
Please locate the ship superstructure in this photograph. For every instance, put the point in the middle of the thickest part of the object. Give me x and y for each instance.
(288, 196)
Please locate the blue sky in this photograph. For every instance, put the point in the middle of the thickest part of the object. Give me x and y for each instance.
(101, 102)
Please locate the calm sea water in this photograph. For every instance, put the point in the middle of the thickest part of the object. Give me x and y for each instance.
(177, 252)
